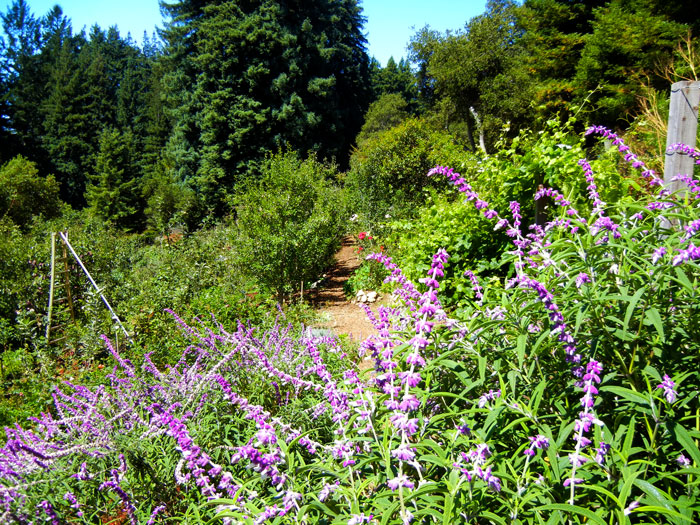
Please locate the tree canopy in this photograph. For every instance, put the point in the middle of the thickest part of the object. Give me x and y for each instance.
(260, 75)
(226, 83)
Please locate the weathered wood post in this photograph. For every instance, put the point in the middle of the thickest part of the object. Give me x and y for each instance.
(682, 128)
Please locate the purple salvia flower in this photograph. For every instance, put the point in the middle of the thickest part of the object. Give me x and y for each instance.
(538, 441)
(70, 497)
(489, 396)
(555, 316)
(400, 481)
(658, 254)
(684, 149)
(402, 422)
(691, 253)
(628, 510)
(601, 452)
(404, 453)
(582, 278)
(49, 511)
(493, 482)
(592, 188)
(126, 500)
(156, 511)
(669, 389)
(358, 519)
(648, 174)
(572, 482)
(476, 288)
(683, 461)
(327, 490)
(583, 424)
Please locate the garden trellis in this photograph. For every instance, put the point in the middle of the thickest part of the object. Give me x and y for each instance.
(66, 244)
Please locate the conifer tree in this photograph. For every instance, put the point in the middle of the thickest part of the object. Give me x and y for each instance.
(114, 191)
(247, 77)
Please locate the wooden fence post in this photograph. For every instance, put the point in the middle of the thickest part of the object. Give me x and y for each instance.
(682, 128)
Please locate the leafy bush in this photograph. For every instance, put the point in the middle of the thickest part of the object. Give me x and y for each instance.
(24, 194)
(530, 160)
(389, 110)
(569, 394)
(289, 224)
(388, 171)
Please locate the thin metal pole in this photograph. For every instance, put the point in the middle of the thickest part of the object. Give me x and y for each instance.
(94, 284)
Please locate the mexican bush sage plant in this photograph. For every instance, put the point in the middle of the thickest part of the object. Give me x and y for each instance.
(567, 393)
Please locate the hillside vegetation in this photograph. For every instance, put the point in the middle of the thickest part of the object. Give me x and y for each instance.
(538, 362)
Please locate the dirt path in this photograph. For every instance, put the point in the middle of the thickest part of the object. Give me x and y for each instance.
(337, 313)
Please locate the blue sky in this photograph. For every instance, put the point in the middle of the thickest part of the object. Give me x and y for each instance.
(390, 23)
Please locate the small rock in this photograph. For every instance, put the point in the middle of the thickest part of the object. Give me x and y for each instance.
(371, 297)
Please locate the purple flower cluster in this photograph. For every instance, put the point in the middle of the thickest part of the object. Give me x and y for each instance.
(559, 199)
(669, 388)
(536, 442)
(463, 186)
(691, 253)
(124, 497)
(684, 149)
(476, 287)
(471, 466)
(592, 188)
(584, 424)
(630, 157)
(155, 403)
(555, 316)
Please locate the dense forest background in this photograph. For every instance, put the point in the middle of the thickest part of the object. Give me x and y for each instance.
(164, 133)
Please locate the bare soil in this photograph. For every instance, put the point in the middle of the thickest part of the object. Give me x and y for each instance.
(336, 312)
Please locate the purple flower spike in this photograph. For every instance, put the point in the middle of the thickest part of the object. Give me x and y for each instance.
(669, 388)
(658, 254)
(648, 174)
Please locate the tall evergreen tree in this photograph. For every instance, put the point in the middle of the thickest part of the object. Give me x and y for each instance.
(251, 76)
(20, 80)
(626, 47)
(113, 193)
(395, 78)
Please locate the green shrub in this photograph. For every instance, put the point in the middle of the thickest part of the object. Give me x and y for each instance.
(24, 194)
(289, 224)
(388, 171)
(387, 111)
(532, 159)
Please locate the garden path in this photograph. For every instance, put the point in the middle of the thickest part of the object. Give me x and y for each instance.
(336, 312)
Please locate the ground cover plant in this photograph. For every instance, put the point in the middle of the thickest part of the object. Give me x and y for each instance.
(568, 392)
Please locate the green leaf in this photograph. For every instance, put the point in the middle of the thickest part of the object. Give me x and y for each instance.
(653, 493)
(633, 304)
(626, 393)
(683, 437)
(598, 488)
(627, 487)
(653, 316)
(447, 510)
(661, 510)
(684, 281)
(565, 507)
(522, 342)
